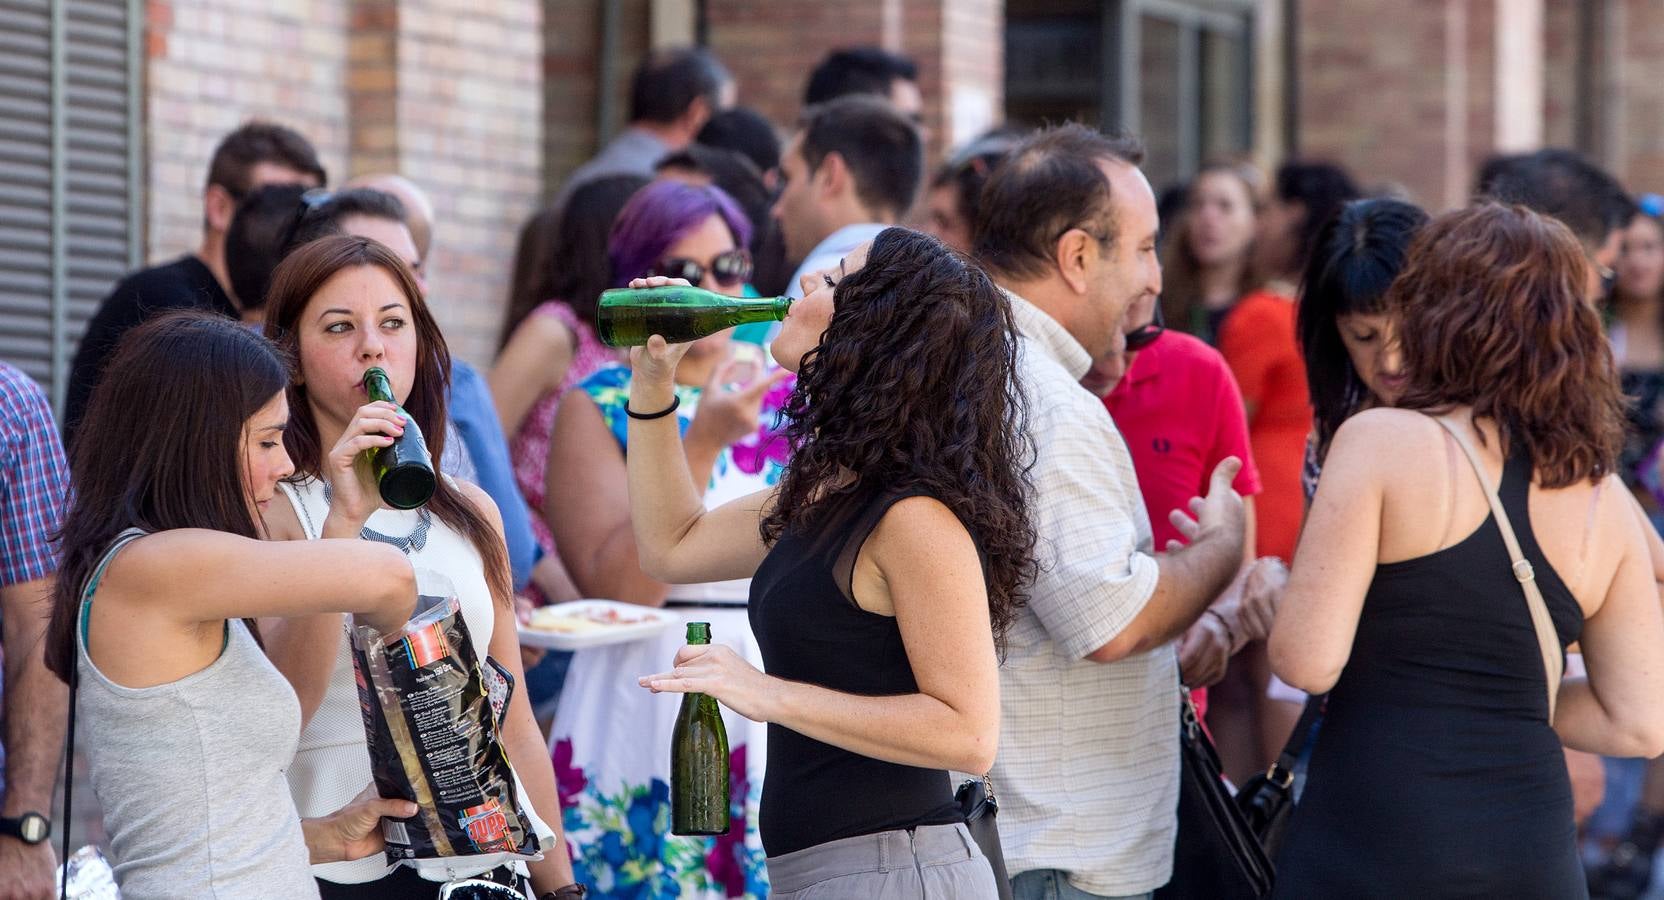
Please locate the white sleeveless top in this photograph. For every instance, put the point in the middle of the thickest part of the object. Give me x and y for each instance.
(333, 763)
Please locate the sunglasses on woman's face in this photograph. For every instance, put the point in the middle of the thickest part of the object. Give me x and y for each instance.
(1146, 334)
(729, 270)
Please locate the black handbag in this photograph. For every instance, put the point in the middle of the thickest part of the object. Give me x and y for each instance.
(1267, 800)
(1216, 855)
(976, 801)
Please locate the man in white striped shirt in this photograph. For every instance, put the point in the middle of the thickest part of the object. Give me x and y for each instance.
(1088, 765)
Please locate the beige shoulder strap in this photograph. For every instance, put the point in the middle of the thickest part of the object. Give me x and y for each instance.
(1548, 640)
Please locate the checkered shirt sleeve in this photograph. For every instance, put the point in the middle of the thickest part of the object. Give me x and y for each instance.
(34, 480)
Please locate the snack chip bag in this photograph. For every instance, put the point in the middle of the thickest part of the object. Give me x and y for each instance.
(432, 713)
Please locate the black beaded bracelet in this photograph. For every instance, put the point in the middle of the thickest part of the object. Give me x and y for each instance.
(570, 892)
(675, 403)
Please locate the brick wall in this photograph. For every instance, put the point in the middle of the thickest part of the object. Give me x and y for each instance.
(772, 45)
(469, 106)
(960, 46)
(571, 70)
(1561, 26)
(1640, 135)
(447, 92)
(1628, 82)
(1408, 130)
(214, 63)
(1408, 106)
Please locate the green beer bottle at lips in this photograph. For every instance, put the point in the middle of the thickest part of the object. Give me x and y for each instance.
(699, 760)
(404, 470)
(627, 317)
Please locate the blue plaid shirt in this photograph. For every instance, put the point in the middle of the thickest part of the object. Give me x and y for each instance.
(34, 488)
(34, 480)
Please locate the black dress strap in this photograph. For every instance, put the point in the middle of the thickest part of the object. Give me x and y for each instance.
(863, 518)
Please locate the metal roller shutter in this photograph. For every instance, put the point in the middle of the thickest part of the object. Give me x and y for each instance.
(69, 172)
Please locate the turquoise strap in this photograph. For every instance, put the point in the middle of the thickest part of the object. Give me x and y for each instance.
(122, 540)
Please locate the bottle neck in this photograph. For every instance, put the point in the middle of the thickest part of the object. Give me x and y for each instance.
(378, 388)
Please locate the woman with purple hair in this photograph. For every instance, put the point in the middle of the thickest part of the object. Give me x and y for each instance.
(611, 741)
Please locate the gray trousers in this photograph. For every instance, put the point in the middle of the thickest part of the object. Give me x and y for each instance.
(931, 862)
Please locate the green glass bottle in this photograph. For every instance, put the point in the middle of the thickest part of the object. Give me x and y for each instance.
(404, 470)
(627, 317)
(699, 760)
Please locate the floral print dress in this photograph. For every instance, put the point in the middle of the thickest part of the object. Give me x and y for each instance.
(611, 739)
(529, 447)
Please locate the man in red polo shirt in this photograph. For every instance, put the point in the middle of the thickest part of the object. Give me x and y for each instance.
(1180, 411)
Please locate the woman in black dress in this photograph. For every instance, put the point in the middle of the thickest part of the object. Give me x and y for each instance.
(1437, 772)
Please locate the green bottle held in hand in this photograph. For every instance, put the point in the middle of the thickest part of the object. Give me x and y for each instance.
(699, 760)
(627, 317)
(404, 470)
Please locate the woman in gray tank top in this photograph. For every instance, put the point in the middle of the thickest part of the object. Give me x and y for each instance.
(189, 729)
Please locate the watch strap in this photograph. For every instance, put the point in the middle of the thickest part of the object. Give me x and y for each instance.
(13, 826)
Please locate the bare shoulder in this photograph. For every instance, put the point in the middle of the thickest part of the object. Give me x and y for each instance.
(281, 522)
(1385, 442)
(1373, 425)
(1618, 518)
(482, 501)
(544, 332)
(576, 409)
(155, 560)
(580, 428)
(919, 525)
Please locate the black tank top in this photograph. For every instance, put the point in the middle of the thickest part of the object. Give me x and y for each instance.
(809, 630)
(1435, 772)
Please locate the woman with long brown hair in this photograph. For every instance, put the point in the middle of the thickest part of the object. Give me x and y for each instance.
(341, 305)
(1438, 770)
(1206, 261)
(1259, 341)
(886, 565)
(187, 727)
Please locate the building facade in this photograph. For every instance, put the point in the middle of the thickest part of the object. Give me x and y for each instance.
(112, 107)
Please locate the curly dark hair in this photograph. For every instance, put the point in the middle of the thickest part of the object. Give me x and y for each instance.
(913, 387)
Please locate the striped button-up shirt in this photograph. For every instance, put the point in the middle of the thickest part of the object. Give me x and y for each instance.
(1088, 768)
(34, 482)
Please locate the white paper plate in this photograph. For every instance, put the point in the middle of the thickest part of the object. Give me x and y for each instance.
(651, 623)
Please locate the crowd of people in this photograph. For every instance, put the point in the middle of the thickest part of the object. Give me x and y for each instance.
(1039, 460)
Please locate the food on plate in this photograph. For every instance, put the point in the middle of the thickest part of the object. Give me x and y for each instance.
(584, 620)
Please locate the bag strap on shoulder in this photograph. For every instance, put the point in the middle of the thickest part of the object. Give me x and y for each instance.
(1548, 640)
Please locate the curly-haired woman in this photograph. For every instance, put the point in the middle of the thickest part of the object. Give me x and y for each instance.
(1438, 771)
(887, 564)
(611, 742)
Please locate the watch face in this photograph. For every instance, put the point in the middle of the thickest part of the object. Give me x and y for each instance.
(34, 828)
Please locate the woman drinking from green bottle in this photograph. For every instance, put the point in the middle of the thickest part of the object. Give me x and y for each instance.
(342, 306)
(611, 741)
(885, 565)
